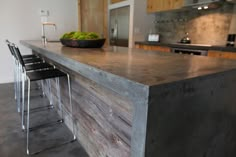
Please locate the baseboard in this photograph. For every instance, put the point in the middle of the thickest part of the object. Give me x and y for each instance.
(4, 81)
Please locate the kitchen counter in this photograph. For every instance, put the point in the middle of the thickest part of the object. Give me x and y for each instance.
(190, 46)
(131, 65)
(131, 102)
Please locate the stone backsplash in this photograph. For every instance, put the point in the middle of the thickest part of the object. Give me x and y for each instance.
(204, 27)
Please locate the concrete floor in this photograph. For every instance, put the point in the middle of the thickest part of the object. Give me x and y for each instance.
(13, 139)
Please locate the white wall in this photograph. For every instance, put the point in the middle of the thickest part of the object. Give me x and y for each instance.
(143, 22)
(20, 20)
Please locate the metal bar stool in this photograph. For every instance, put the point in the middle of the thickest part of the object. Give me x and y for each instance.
(31, 59)
(31, 68)
(23, 56)
(35, 64)
(15, 67)
(37, 76)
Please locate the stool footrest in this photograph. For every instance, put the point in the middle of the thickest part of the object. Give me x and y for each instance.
(38, 109)
(49, 148)
(46, 125)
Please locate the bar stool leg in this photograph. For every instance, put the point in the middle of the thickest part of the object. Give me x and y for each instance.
(17, 72)
(43, 89)
(18, 88)
(23, 103)
(46, 88)
(50, 91)
(71, 107)
(28, 114)
(15, 77)
(59, 96)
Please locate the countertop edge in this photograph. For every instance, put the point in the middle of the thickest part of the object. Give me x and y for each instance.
(114, 82)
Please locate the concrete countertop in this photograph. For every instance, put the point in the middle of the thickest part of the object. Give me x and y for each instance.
(188, 46)
(143, 67)
(180, 104)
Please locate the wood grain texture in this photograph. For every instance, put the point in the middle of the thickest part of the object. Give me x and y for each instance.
(220, 54)
(105, 21)
(103, 118)
(79, 16)
(92, 17)
(163, 5)
(153, 48)
(116, 1)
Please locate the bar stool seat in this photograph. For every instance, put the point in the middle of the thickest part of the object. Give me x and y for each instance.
(39, 66)
(46, 74)
(33, 61)
(29, 56)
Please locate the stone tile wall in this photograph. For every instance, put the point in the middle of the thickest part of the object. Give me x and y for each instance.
(204, 27)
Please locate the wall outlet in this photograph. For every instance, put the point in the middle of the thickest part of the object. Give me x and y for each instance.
(44, 12)
(44, 19)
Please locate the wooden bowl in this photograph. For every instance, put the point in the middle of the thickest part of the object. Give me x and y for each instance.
(93, 43)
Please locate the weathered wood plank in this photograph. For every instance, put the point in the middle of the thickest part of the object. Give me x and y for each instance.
(103, 118)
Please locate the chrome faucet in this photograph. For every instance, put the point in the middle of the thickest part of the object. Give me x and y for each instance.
(44, 39)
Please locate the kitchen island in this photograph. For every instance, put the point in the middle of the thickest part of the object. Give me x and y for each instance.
(131, 102)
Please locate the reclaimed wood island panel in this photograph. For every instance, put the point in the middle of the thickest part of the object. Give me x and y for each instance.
(131, 102)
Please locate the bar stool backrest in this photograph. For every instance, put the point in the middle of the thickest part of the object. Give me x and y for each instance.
(18, 55)
(9, 44)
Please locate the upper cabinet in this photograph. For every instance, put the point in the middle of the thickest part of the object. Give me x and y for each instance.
(116, 1)
(163, 5)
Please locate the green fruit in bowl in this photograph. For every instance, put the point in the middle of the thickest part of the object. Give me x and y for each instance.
(80, 35)
(82, 40)
(92, 35)
(65, 36)
(68, 35)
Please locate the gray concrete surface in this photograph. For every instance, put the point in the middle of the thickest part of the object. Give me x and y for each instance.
(137, 75)
(13, 139)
